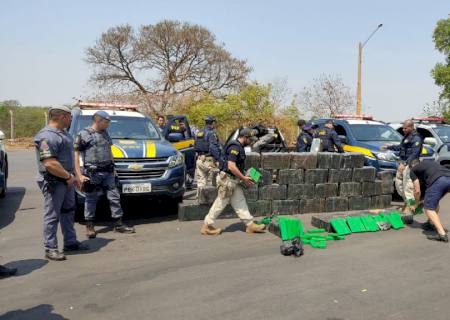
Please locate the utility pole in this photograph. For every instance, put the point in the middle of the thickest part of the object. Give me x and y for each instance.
(46, 118)
(358, 90)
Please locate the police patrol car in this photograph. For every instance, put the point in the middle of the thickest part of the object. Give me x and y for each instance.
(364, 135)
(3, 167)
(145, 162)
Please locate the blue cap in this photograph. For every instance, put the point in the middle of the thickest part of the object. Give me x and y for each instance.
(210, 119)
(103, 114)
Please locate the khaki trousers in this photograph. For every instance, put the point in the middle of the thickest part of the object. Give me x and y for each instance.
(230, 192)
(404, 184)
(204, 171)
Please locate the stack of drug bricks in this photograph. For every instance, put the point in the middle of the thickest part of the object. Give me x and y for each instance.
(297, 183)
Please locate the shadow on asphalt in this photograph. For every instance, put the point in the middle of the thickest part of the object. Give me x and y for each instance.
(94, 245)
(42, 311)
(26, 266)
(10, 204)
(235, 227)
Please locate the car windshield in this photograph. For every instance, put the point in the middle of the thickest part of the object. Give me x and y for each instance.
(443, 133)
(134, 128)
(380, 132)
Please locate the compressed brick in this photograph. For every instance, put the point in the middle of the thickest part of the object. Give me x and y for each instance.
(340, 175)
(329, 160)
(315, 176)
(207, 194)
(303, 160)
(290, 176)
(359, 203)
(260, 208)
(285, 207)
(312, 205)
(364, 174)
(325, 190)
(387, 186)
(273, 192)
(193, 211)
(352, 160)
(334, 204)
(300, 191)
(371, 188)
(385, 175)
(380, 202)
(252, 160)
(276, 160)
(251, 193)
(350, 189)
(266, 177)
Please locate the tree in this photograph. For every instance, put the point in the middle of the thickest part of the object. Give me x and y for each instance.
(441, 71)
(10, 103)
(163, 63)
(438, 108)
(326, 97)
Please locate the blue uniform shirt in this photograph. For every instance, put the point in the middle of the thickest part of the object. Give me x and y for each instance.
(330, 139)
(304, 141)
(207, 143)
(54, 143)
(410, 148)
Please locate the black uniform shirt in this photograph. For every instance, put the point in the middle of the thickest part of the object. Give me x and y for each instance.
(428, 172)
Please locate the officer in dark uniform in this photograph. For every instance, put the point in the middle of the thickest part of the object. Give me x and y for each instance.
(93, 144)
(209, 153)
(230, 190)
(55, 159)
(161, 123)
(329, 138)
(304, 139)
(409, 149)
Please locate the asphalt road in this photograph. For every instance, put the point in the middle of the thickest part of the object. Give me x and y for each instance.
(167, 270)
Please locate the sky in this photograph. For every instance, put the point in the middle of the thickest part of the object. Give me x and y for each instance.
(43, 43)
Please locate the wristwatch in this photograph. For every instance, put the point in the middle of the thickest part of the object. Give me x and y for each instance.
(70, 177)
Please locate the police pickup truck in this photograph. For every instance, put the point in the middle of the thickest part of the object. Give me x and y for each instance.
(146, 164)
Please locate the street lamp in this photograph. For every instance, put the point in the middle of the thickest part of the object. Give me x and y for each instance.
(360, 47)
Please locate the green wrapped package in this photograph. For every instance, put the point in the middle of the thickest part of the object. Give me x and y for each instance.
(396, 220)
(290, 228)
(340, 226)
(254, 174)
(355, 224)
(370, 224)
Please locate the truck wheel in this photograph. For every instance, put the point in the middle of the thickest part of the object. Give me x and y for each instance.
(5, 188)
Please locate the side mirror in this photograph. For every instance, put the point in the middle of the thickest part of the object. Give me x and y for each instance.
(343, 139)
(2, 135)
(430, 141)
(175, 137)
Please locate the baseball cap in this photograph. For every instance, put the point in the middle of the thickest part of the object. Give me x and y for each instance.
(246, 132)
(103, 114)
(60, 108)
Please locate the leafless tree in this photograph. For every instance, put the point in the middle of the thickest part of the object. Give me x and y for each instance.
(164, 62)
(326, 97)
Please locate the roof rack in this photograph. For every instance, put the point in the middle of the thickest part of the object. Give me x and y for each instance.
(429, 120)
(107, 106)
(353, 117)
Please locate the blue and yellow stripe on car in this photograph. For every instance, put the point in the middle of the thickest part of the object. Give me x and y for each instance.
(364, 151)
(118, 152)
(149, 149)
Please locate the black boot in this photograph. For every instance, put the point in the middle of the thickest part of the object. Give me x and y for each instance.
(78, 246)
(119, 226)
(429, 226)
(438, 237)
(7, 272)
(54, 255)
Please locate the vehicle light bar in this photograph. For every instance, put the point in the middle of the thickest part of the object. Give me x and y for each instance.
(430, 119)
(107, 105)
(353, 117)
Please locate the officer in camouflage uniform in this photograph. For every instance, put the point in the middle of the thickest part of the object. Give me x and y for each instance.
(230, 190)
(54, 156)
(208, 151)
(93, 144)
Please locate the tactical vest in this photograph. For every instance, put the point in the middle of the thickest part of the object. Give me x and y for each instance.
(240, 161)
(201, 145)
(98, 152)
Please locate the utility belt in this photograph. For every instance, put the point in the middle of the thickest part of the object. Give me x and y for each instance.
(205, 156)
(50, 178)
(96, 168)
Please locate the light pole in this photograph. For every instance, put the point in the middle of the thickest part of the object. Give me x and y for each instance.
(358, 91)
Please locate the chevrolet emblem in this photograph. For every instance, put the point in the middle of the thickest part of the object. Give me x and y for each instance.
(135, 166)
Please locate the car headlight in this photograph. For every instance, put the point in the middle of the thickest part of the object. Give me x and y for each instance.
(386, 156)
(176, 160)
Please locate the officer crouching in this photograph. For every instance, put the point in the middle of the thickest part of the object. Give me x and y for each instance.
(208, 151)
(329, 138)
(230, 190)
(94, 145)
(54, 153)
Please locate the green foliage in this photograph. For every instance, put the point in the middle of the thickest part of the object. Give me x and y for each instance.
(27, 120)
(441, 72)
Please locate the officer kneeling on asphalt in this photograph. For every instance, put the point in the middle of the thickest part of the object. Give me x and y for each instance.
(229, 187)
(436, 180)
(54, 153)
(94, 145)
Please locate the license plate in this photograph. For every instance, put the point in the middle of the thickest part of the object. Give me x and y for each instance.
(137, 188)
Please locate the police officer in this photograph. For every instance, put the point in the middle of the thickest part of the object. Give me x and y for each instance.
(329, 138)
(230, 189)
(209, 153)
(55, 159)
(409, 149)
(94, 145)
(305, 138)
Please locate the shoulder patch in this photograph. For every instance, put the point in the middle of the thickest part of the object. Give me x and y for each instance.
(44, 145)
(234, 152)
(417, 143)
(305, 140)
(200, 134)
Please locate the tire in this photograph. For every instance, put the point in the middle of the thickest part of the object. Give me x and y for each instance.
(3, 193)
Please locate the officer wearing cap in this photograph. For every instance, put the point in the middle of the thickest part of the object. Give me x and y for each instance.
(409, 149)
(329, 138)
(93, 145)
(209, 153)
(304, 139)
(56, 179)
(229, 186)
